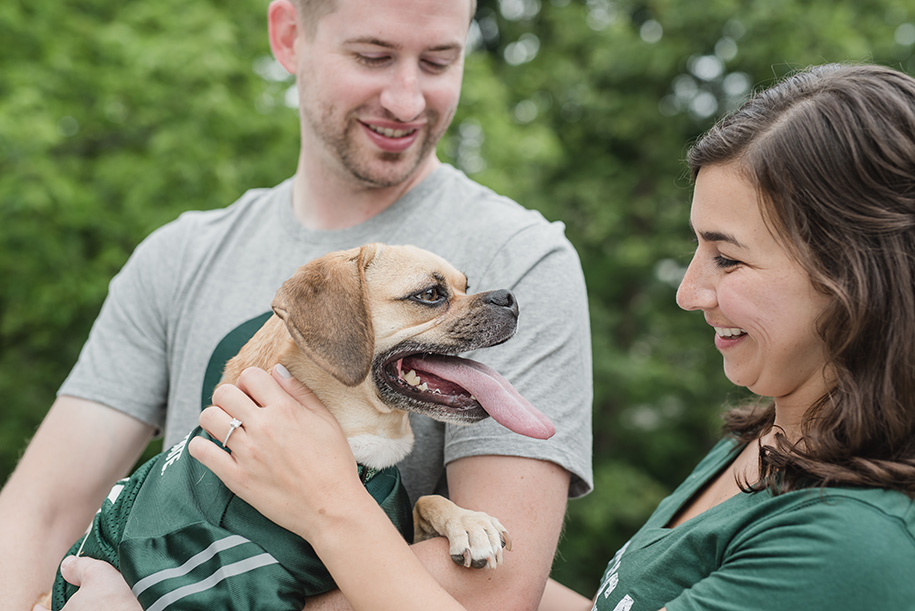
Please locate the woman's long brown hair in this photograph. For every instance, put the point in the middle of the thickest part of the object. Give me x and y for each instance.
(831, 151)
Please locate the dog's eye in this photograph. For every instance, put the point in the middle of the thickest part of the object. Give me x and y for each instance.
(431, 295)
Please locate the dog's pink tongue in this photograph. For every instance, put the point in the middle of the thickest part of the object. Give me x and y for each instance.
(495, 394)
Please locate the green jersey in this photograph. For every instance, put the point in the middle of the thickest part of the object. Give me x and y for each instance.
(831, 548)
(182, 540)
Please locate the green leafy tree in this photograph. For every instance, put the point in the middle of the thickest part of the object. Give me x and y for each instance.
(116, 118)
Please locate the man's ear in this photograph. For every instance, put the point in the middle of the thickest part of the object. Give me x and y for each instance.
(283, 29)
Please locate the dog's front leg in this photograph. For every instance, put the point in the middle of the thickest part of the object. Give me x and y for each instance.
(475, 538)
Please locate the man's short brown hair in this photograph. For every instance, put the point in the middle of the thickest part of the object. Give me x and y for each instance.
(311, 11)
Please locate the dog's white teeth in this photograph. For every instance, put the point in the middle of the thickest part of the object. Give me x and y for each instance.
(411, 378)
(414, 380)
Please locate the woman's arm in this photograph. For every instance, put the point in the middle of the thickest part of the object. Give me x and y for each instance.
(316, 493)
(362, 549)
(557, 597)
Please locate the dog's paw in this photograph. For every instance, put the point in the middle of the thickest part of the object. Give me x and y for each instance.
(475, 539)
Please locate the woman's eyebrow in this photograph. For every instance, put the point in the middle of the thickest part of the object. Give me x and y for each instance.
(718, 236)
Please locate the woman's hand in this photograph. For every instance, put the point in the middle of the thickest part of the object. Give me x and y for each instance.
(289, 458)
(291, 461)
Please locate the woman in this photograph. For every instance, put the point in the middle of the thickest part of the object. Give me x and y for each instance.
(804, 214)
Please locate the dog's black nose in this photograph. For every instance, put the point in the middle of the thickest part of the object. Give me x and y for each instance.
(503, 299)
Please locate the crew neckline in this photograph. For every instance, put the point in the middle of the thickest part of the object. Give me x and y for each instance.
(391, 217)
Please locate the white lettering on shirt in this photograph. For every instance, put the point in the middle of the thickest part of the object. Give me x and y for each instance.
(175, 453)
(612, 579)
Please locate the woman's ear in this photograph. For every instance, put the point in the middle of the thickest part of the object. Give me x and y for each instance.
(283, 30)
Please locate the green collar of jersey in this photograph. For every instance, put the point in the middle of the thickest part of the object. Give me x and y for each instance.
(367, 473)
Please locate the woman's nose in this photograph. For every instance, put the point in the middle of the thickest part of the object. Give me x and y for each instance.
(696, 292)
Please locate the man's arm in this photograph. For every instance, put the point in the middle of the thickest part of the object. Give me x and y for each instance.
(79, 451)
(529, 498)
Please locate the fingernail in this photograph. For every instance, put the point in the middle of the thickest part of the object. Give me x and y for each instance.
(284, 373)
(66, 562)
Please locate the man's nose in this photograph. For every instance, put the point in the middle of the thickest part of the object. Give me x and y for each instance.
(403, 96)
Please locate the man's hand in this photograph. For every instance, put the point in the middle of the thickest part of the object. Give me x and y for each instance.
(101, 586)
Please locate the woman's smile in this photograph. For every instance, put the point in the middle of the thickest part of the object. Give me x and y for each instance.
(755, 295)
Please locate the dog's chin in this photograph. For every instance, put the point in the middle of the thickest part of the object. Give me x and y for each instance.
(403, 385)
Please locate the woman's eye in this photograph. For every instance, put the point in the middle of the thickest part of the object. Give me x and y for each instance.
(724, 262)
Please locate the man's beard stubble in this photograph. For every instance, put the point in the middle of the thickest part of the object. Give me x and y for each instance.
(343, 148)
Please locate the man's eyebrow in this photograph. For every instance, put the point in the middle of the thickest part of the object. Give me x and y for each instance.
(377, 42)
(368, 40)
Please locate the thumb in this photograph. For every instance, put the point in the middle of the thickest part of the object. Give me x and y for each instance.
(296, 389)
(78, 570)
(71, 570)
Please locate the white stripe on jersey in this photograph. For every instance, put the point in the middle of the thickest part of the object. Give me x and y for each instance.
(230, 570)
(190, 565)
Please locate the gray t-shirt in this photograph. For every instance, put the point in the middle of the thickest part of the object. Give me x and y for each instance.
(195, 281)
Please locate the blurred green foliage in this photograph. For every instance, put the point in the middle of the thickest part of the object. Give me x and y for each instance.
(115, 118)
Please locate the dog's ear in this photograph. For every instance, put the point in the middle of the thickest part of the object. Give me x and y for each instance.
(325, 308)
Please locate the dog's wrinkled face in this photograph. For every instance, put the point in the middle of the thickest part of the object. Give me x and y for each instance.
(392, 319)
(420, 311)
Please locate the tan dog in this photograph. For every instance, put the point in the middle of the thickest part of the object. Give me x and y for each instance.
(372, 331)
(380, 320)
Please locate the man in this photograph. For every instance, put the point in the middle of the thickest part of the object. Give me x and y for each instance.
(378, 84)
